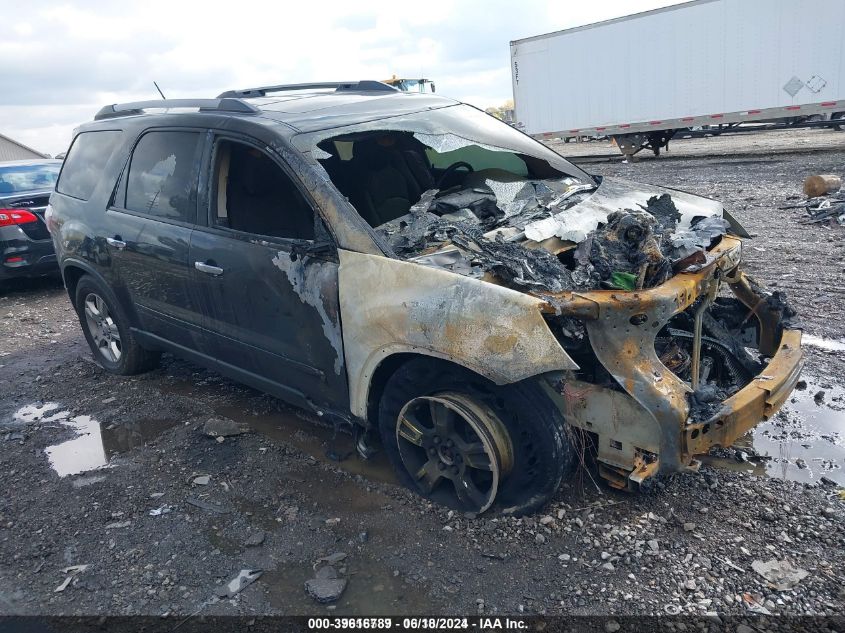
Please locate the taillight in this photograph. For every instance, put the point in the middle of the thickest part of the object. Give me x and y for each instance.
(8, 217)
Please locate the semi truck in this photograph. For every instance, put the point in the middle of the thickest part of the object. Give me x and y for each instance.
(705, 64)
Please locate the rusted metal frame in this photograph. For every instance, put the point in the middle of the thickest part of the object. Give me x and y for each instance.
(769, 319)
(760, 399)
(628, 437)
(625, 345)
(697, 328)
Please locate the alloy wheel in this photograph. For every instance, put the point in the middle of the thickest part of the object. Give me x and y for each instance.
(102, 327)
(456, 450)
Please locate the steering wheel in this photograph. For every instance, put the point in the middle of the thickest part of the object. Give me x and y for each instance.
(451, 169)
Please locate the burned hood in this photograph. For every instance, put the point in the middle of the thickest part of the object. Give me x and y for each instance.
(616, 194)
(555, 235)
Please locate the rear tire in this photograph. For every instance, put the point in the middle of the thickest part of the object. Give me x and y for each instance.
(106, 329)
(521, 433)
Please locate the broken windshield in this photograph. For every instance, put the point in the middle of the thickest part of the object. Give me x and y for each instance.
(386, 167)
(446, 130)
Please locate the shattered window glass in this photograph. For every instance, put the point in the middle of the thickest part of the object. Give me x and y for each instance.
(445, 143)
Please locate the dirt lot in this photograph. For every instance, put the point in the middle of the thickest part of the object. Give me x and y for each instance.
(116, 473)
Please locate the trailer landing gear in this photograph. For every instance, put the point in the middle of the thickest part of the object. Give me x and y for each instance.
(630, 144)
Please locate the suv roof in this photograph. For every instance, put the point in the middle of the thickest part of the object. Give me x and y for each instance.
(303, 107)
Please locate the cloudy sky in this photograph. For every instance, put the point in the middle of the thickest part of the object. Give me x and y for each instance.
(61, 61)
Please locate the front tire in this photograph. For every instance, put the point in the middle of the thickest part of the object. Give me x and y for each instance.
(106, 329)
(459, 440)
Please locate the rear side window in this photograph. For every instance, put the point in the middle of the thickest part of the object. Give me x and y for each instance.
(163, 175)
(85, 161)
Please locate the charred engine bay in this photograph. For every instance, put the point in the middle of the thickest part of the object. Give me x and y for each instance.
(481, 230)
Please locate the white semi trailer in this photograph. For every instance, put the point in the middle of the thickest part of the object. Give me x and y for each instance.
(641, 78)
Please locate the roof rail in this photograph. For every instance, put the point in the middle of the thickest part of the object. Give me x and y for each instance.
(367, 85)
(204, 105)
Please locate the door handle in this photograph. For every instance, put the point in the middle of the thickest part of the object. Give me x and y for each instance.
(208, 269)
(116, 242)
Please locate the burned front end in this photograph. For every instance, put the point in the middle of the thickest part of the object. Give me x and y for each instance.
(656, 347)
(677, 349)
(693, 363)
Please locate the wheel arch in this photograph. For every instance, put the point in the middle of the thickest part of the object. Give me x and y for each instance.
(71, 274)
(390, 364)
(73, 270)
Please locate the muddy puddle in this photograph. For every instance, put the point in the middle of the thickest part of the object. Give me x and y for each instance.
(803, 442)
(315, 438)
(370, 590)
(92, 445)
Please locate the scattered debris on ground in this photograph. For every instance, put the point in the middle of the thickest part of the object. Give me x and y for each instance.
(822, 184)
(241, 581)
(825, 202)
(781, 575)
(327, 585)
(224, 427)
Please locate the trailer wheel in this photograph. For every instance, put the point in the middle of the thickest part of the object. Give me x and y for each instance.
(838, 116)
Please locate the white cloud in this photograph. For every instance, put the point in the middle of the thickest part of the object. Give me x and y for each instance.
(83, 55)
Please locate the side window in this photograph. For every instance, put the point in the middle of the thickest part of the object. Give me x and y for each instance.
(253, 194)
(163, 175)
(83, 166)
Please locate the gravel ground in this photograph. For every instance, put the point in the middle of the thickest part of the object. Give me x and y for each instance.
(269, 499)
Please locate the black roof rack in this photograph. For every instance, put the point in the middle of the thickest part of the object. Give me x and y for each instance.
(204, 105)
(367, 85)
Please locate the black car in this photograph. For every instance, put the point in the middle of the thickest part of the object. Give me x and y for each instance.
(415, 268)
(26, 249)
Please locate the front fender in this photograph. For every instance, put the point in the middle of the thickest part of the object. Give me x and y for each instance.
(389, 306)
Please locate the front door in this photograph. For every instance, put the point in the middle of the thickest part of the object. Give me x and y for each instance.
(149, 229)
(267, 273)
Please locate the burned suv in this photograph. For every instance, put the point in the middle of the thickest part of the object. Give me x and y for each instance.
(418, 269)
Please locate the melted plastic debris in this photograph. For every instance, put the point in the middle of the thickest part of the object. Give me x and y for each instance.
(487, 225)
(625, 245)
(478, 201)
(665, 212)
(686, 242)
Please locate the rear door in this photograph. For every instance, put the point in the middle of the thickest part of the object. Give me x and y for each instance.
(149, 232)
(267, 272)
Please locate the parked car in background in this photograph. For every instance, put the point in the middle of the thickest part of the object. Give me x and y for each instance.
(26, 249)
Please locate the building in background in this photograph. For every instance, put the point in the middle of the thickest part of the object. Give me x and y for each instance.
(11, 149)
